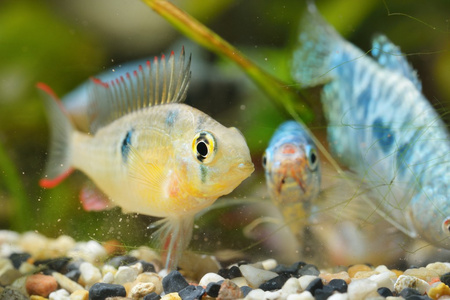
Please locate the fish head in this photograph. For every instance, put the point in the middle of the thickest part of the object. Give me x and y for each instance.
(290, 165)
(433, 223)
(216, 160)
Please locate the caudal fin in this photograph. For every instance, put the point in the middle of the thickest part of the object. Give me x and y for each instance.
(317, 41)
(59, 164)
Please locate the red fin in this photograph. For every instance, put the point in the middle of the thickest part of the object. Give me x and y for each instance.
(51, 183)
(93, 199)
(99, 82)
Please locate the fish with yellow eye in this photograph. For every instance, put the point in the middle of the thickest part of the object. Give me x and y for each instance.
(293, 176)
(146, 151)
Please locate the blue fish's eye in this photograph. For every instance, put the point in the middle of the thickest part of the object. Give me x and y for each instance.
(313, 160)
(264, 160)
(204, 146)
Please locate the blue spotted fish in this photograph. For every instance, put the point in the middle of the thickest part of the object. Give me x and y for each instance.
(146, 151)
(381, 127)
(293, 176)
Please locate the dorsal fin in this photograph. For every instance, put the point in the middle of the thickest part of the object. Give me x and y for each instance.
(389, 56)
(159, 82)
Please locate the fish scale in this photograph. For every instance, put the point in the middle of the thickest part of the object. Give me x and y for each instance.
(381, 127)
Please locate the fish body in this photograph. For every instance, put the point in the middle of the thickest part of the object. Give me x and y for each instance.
(381, 127)
(292, 171)
(147, 152)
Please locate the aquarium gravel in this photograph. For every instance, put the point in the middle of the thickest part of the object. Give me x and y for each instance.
(33, 266)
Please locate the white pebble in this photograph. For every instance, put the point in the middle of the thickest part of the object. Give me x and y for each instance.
(240, 281)
(89, 274)
(302, 296)
(59, 295)
(381, 269)
(439, 267)
(291, 286)
(210, 277)
(269, 264)
(362, 289)
(338, 296)
(405, 281)
(305, 280)
(66, 283)
(138, 266)
(108, 278)
(256, 294)
(108, 269)
(384, 279)
(91, 251)
(125, 274)
(256, 277)
(272, 295)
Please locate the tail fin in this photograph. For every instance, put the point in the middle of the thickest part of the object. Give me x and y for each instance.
(317, 41)
(59, 164)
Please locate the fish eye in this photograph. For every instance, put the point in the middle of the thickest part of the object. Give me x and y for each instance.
(264, 160)
(312, 159)
(204, 147)
(446, 225)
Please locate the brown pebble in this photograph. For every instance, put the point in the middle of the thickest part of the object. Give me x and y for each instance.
(79, 295)
(40, 285)
(114, 247)
(229, 291)
(357, 268)
(327, 277)
(35, 297)
(364, 274)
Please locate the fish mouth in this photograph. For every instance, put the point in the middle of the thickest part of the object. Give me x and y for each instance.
(246, 167)
(287, 171)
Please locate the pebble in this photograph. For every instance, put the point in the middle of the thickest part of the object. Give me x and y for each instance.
(327, 277)
(362, 289)
(357, 268)
(7, 272)
(59, 295)
(141, 289)
(152, 296)
(255, 276)
(229, 290)
(269, 264)
(439, 291)
(291, 286)
(171, 296)
(18, 258)
(384, 279)
(100, 291)
(125, 274)
(445, 278)
(406, 281)
(120, 261)
(385, 292)
(338, 296)
(151, 278)
(12, 294)
(192, 292)
(41, 285)
(210, 277)
(306, 280)
(302, 296)
(308, 270)
(174, 282)
(338, 285)
(212, 289)
(89, 274)
(240, 281)
(67, 284)
(90, 251)
(422, 273)
(314, 285)
(275, 283)
(439, 267)
(79, 295)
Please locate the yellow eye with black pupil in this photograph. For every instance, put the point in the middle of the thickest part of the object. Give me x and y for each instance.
(204, 147)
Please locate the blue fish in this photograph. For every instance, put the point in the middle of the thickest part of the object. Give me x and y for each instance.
(381, 127)
(293, 176)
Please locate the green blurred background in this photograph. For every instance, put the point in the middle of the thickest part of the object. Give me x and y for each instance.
(63, 42)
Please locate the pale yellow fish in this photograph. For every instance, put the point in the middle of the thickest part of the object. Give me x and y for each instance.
(147, 153)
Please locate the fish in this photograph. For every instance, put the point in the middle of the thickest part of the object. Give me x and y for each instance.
(380, 126)
(293, 176)
(148, 152)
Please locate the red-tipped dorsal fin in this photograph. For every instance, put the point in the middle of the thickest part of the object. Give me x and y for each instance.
(99, 82)
(48, 183)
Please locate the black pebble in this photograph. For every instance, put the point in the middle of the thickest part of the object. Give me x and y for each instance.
(174, 282)
(192, 292)
(124, 260)
(308, 270)
(75, 265)
(152, 296)
(446, 278)
(245, 290)
(322, 294)
(406, 292)
(338, 285)
(18, 258)
(73, 275)
(101, 291)
(385, 292)
(274, 283)
(58, 264)
(212, 289)
(314, 285)
(291, 270)
(234, 272)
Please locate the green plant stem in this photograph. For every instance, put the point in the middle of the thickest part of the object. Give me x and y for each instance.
(279, 92)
